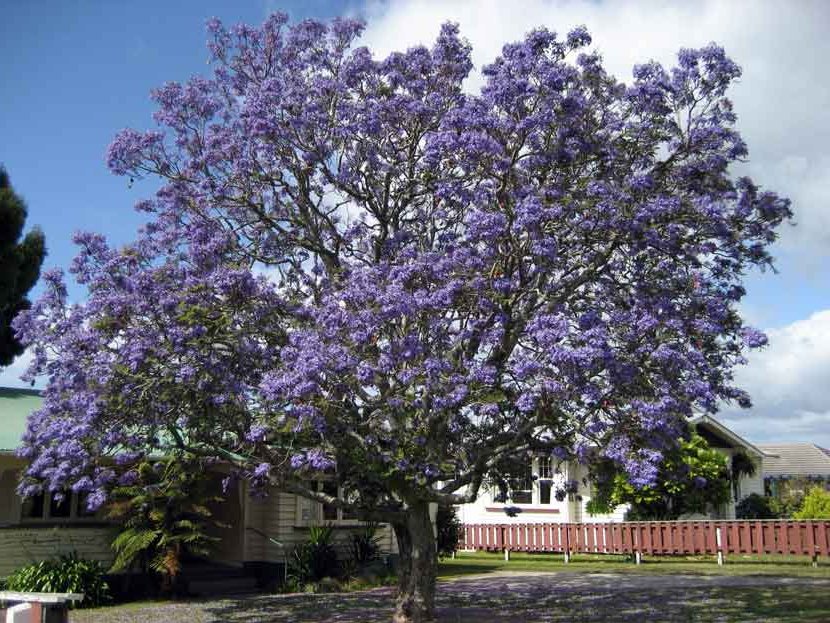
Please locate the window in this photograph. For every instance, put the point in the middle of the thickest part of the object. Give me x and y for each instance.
(545, 487)
(329, 488)
(81, 509)
(33, 507)
(45, 506)
(309, 511)
(61, 508)
(545, 467)
(547, 472)
(521, 489)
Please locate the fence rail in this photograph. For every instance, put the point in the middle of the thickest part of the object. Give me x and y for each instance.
(805, 538)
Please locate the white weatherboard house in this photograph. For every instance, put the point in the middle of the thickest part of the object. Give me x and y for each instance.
(532, 499)
(261, 529)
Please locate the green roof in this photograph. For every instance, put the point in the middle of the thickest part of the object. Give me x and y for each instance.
(15, 407)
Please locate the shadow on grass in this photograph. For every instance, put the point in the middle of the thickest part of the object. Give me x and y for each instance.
(529, 597)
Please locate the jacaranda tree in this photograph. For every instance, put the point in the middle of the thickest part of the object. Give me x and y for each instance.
(353, 267)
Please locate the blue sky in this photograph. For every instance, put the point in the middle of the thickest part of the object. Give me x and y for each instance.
(75, 73)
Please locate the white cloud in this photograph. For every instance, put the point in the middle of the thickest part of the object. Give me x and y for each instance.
(788, 382)
(10, 376)
(782, 98)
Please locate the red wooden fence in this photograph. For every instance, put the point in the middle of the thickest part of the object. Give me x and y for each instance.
(807, 538)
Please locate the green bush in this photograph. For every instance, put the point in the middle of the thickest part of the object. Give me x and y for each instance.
(314, 559)
(756, 506)
(66, 574)
(449, 530)
(816, 505)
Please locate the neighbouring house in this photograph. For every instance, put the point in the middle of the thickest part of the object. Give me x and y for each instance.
(532, 498)
(791, 468)
(262, 529)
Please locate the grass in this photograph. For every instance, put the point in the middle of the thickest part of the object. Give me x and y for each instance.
(467, 563)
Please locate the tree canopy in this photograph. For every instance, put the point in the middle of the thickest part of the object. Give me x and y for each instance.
(355, 267)
(20, 262)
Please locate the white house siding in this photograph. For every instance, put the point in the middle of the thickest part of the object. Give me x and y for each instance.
(579, 512)
(487, 511)
(20, 546)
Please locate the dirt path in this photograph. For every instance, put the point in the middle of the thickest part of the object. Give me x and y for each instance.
(521, 597)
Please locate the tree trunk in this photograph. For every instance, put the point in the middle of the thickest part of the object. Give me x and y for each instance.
(415, 602)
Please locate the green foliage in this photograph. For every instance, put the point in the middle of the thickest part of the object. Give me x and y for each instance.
(165, 517)
(755, 506)
(692, 479)
(65, 574)
(787, 506)
(365, 544)
(20, 262)
(816, 505)
(314, 559)
(449, 530)
(789, 493)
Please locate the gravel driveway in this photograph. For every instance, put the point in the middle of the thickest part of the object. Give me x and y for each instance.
(519, 596)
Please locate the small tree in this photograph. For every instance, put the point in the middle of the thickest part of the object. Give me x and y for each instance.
(693, 478)
(449, 529)
(20, 262)
(163, 508)
(816, 505)
(356, 270)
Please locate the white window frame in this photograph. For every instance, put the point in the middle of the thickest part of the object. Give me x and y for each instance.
(315, 516)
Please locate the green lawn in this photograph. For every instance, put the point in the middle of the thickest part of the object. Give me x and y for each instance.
(483, 562)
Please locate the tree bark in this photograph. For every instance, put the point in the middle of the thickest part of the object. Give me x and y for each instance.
(415, 602)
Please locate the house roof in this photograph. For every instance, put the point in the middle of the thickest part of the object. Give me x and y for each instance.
(796, 459)
(730, 437)
(15, 407)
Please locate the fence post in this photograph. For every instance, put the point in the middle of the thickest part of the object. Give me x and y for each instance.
(567, 543)
(719, 542)
(637, 543)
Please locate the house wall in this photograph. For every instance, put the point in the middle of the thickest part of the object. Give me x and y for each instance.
(579, 502)
(26, 541)
(572, 509)
(20, 546)
(747, 485)
(286, 518)
(9, 500)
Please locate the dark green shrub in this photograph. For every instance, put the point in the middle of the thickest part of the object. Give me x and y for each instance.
(66, 574)
(449, 530)
(756, 506)
(365, 544)
(314, 559)
(786, 507)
